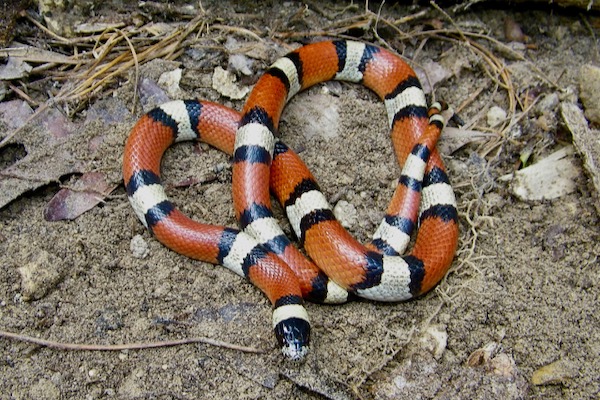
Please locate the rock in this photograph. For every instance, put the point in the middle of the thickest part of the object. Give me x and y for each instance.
(504, 366)
(548, 103)
(224, 82)
(15, 68)
(589, 91)
(40, 276)
(513, 31)
(550, 178)
(139, 247)
(494, 362)
(345, 213)
(435, 340)
(170, 82)
(240, 63)
(556, 372)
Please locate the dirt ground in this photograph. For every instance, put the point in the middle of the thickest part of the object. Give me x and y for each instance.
(522, 292)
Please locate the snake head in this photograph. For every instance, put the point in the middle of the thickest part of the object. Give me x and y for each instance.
(293, 335)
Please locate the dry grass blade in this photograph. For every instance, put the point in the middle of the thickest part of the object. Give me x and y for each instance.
(104, 70)
(112, 54)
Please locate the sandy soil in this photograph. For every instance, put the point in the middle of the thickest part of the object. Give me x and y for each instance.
(524, 284)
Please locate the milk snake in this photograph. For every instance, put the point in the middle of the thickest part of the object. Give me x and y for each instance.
(262, 165)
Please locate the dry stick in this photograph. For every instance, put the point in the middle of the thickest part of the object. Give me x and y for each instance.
(335, 32)
(47, 31)
(449, 18)
(238, 30)
(408, 18)
(60, 39)
(469, 99)
(22, 94)
(127, 346)
(505, 83)
(89, 85)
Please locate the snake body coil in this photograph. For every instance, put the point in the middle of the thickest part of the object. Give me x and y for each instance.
(262, 164)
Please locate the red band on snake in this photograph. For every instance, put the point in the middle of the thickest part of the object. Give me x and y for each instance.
(262, 164)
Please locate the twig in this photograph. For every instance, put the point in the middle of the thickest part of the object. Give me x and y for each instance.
(47, 31)
(238, 30)
(126, 346)
(22, 95)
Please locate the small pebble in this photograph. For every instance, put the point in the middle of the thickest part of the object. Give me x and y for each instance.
(495, 116)
(224, 82)
(488, 357)
(139, 247)
(15, 68)
(240, 63)
(39, 276)
(170, 82)
(503, 365)
(435, 340)
(220, 167)
(548, 103)
(345, 213)
(513, 31)
(482, 355)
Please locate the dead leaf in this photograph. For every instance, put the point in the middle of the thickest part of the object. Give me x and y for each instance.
(85, 194)
(453, 138)
(55, 147)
